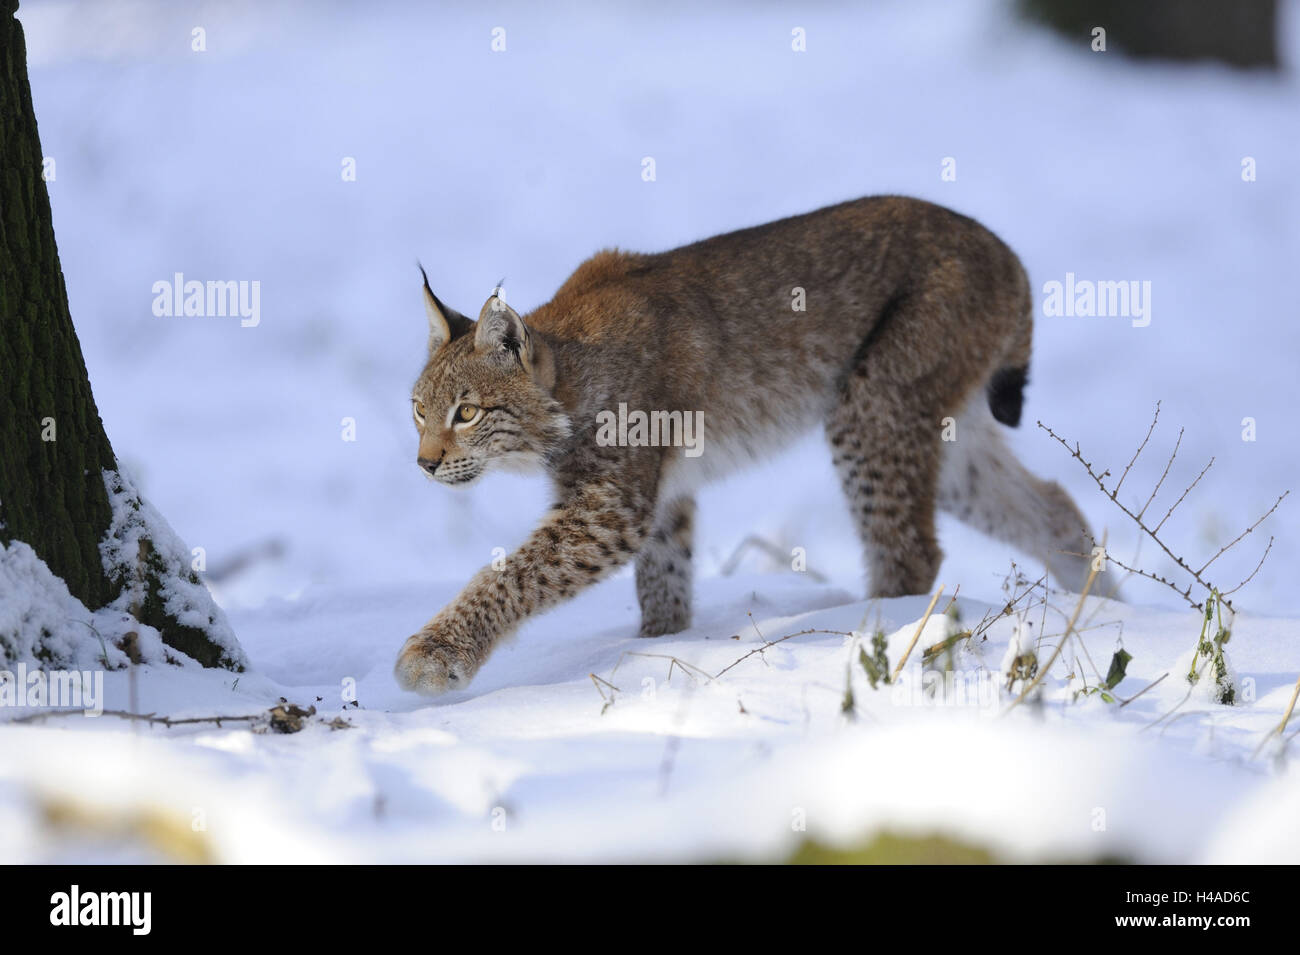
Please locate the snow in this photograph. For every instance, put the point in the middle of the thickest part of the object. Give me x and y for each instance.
(185, 599)
(677, 767)
(41, 620)
(38, 613)
(327, 553)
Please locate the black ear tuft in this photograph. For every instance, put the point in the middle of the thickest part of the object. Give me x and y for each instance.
(444, 323)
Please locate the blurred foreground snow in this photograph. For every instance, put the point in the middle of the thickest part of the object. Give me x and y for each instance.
(532, 763)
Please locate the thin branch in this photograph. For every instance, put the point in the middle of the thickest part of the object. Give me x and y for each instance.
(607, 701)
(1286, 717)
(1143, 690)
(1252, 573)
(1141, 447)
(951, 600)
(771, 643)
(598, 680)
(1186, 491)
(1099, 480)
(1069, 628)
(1168, 464)
(917, 635)
(1185, 593)
(991, 618)
(141, 717)
(1248, 530)
(690, 669)
(931, 653)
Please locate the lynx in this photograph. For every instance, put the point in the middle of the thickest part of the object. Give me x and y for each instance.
(912, 314)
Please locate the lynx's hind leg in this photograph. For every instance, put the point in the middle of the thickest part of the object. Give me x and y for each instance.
(983, 484)
(663, 570)
(886, 453)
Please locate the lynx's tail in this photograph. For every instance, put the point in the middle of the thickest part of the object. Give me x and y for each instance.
(1006, 391)
(1006, 386)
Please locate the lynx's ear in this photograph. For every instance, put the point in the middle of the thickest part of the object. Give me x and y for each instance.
(444, 323)
(500, 327)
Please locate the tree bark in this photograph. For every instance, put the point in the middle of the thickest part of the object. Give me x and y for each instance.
(53, 449)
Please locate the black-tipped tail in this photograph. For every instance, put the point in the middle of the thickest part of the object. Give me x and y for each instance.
(1006, 391)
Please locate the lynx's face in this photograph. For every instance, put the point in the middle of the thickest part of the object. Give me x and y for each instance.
(483, 400)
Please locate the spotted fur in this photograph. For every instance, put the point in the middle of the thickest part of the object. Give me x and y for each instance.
(913, 314)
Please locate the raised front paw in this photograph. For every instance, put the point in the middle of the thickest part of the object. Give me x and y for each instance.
(431, 662)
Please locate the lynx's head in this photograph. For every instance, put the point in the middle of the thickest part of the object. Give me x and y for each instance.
(484, 398)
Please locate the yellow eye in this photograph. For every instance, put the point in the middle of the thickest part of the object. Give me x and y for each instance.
(418, 407)
(467, 412)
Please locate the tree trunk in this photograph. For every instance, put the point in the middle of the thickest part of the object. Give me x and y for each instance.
(55, 458)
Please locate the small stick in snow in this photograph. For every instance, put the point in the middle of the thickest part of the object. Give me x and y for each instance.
(990, 618)
(608, 700)
(1065, 638)
(140, 717)
(690, 669)
(767, 645)
(284, 717)
(917, 636)
(1141, 691)
(1281, 727)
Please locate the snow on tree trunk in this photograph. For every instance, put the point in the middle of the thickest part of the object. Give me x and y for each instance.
(63, 503)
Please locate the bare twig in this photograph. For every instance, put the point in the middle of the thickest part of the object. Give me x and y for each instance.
(1137, 518)
(607, 701)
(1185, 593)
(1168, 464)
(1141, 448)
(1252, 574)
(1187, 490)
(141, 717)
(991, 617)
(1248, 530)
(690, 669)
(1069, 628)
(917, 635)
(1143, 690)
(767, 645)
(1286, 718)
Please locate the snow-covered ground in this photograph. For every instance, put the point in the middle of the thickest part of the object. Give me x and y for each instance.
(530, 763)
(327, 553)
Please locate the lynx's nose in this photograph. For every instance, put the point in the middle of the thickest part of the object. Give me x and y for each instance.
(428, 466)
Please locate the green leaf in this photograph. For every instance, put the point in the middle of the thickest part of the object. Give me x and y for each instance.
(1118, 668)
(869, 665)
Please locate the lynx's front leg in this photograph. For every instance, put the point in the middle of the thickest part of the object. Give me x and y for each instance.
(663, 570)
(596, 529)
